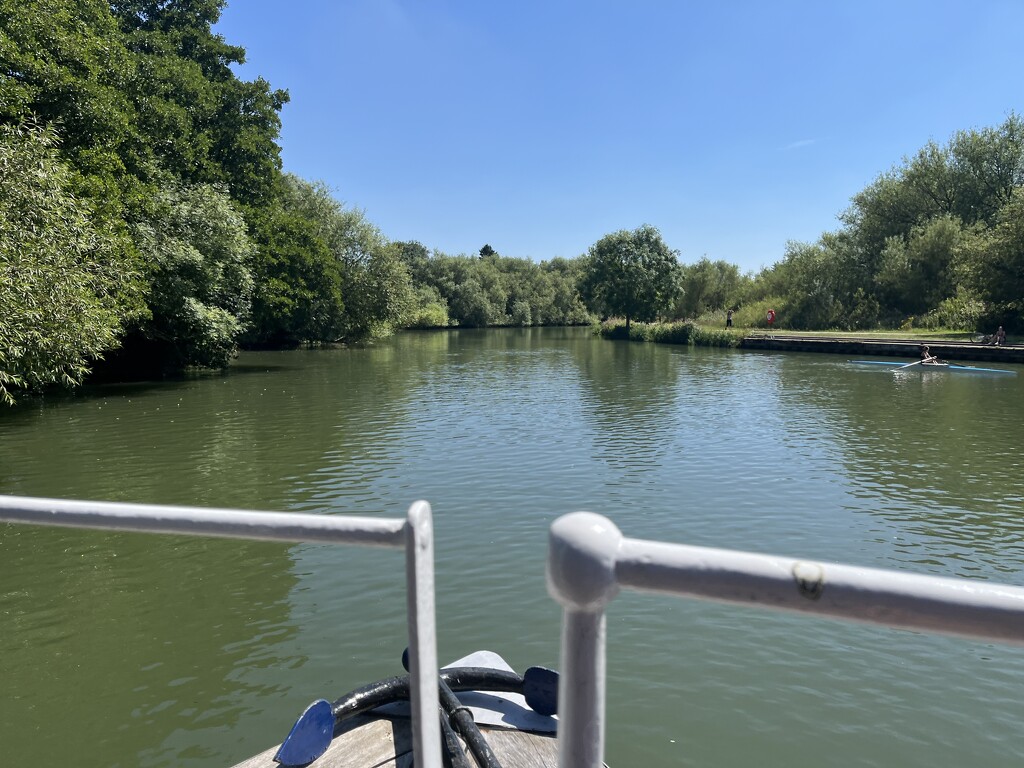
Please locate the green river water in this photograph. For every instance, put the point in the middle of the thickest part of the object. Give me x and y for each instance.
(137, 650)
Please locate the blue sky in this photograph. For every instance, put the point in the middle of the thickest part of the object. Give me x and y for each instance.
(539, 127)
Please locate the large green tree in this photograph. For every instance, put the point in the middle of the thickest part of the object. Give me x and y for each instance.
(991, 263)
(150, 114)
(914, 271)
(633, 274)
(929, 242)
(375, 280)
(68, 284)
(65, 63)
(902, 231)
(198, 253)
(211, 126)
(298, 295)
(708, 285)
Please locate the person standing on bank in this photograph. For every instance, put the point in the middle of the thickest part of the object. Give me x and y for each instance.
(728, 319)
(1000, 337)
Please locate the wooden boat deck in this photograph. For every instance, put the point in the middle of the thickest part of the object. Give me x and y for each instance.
(370, 741)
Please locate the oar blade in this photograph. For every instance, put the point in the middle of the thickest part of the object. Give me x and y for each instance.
(540, 687)
(309, 737)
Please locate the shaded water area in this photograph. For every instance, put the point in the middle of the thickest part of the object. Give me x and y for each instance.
(136, 650)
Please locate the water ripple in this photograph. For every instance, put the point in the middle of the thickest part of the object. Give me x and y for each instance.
(197, 642)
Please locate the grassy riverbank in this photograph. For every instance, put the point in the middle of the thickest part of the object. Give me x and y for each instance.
(689, 332)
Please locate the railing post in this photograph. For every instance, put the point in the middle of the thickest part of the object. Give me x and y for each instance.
(423, 669)
(582, 549)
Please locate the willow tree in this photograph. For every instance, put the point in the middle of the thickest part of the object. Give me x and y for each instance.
(67, 283)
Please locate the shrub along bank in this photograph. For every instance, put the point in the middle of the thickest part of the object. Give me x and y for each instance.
(682, 332)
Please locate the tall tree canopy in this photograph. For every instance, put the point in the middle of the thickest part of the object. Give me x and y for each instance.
(992, 263)
(633, 274)
(375, 281)
(164, 147)
(929, 242)
(198, 254)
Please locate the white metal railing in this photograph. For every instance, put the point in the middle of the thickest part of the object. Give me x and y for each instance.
(415, 534)
(589, 560)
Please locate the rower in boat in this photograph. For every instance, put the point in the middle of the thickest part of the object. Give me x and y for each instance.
(927, 358)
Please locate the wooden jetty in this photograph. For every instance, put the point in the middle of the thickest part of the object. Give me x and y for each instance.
(883, 347)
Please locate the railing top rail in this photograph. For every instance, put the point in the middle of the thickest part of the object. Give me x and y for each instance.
(589, 561)
(203, 521)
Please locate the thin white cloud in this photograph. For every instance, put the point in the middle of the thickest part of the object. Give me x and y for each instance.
(799, 144)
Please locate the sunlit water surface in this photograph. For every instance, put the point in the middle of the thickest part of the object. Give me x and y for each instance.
(134, 650)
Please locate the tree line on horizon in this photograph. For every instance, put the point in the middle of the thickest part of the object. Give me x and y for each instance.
(147, 224)
(935, 242)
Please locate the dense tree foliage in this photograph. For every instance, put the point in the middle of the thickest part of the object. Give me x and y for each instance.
(164, 146)
(707, 286)
(496, 290)
(198, 253)
(173, 162)
(632, 274)
(212, 127)
(67, 284)
(991, 264)
(146, 224)
(298, 282)
(375, 280)
(930, 242)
